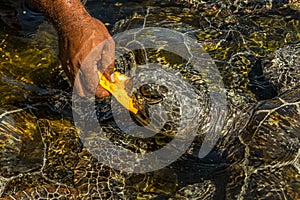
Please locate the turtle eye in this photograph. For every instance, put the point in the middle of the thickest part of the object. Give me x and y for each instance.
(153, 93)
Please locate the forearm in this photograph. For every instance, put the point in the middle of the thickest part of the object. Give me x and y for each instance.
(62, 13)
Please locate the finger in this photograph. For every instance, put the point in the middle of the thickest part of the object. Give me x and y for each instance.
(108, 57)
(87, 79)
(107, 64)
(101, 92)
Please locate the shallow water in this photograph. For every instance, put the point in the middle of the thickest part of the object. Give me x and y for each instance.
(40, 144)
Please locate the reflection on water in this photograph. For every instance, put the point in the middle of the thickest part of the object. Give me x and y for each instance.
(41, 153)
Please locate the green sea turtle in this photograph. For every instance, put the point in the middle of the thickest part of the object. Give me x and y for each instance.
(239, 6)
(258, 157)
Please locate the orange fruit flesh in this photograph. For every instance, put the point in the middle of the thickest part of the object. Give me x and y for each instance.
(117, 89)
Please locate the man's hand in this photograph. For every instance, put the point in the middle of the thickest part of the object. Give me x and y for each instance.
(86, 48)
(85, 44)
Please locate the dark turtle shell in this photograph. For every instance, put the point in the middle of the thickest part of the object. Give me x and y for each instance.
(264, 157)
(42, 156)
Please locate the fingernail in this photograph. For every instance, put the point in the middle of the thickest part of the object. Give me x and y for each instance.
(112, 77)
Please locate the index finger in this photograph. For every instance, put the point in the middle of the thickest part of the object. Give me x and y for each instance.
(108, 58)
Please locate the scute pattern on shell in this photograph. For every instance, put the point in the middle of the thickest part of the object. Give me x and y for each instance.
(257, 159)
(238, 6)
(264, 158)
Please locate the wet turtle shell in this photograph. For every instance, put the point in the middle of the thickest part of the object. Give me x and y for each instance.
(252, 132)
(283, 70)
(239, 6)
(264, 157)
(249, 162)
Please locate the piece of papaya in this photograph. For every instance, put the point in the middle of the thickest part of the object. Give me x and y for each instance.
(118, 90)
